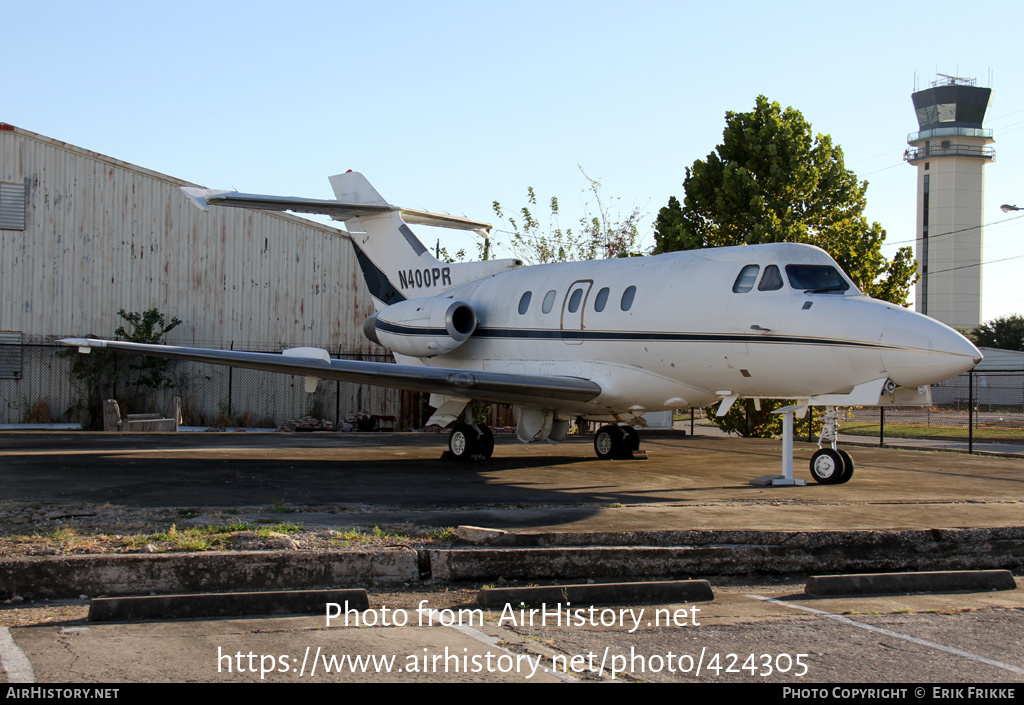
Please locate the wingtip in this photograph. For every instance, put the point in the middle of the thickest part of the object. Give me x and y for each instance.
(199, 195)
(84, 345)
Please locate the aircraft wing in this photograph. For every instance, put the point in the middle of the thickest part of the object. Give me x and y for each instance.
(500, 387)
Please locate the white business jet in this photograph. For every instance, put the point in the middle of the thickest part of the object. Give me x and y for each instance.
(606, 340)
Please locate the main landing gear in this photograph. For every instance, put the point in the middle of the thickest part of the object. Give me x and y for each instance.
(470, 442)
(617, 443)
(831, 466)
(475, 442)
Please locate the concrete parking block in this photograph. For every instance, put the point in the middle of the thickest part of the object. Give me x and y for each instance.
(932, 581)
(663, 591)
(225, 604)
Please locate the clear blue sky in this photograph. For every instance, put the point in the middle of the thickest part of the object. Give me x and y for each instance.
(448, 106)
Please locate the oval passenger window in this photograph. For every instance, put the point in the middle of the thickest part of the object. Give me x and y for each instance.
(627, 298)
(574, 300)
(549, 301)
(524, 303)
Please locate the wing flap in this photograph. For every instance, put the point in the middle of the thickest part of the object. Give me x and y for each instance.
(500, 387)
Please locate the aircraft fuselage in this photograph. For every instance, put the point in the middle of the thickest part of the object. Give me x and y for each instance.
(679, 330)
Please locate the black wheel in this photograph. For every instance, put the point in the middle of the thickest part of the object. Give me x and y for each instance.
(464, 442)
(610, 442)
(486, 442)
(828, 467)
(847, 466)
(632, 437)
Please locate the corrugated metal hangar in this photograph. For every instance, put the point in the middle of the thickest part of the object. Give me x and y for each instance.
(83, 235)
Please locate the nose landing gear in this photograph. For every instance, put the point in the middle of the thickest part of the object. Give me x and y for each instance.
(831, 466)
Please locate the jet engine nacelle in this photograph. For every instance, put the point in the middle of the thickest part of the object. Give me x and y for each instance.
(422, 327)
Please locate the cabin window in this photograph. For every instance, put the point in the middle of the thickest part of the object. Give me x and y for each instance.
(602, 299)
(549, 301)
(524, 303)
(745, 280)
(772, 279)
(627, 298)
(816, 278)
(574, 300)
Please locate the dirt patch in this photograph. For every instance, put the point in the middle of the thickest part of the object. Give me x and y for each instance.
(39, 529)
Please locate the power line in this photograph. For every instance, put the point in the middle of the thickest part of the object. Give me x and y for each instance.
(976, 264)
(961, 230)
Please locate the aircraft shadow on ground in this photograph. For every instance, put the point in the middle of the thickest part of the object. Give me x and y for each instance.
(408, 483)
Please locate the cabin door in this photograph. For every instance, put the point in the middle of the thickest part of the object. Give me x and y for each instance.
(572, 311)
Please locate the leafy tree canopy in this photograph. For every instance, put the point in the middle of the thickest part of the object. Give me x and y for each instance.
(102, 374)
(538, 238)
(772, 180)
(1006, 332)
(148, 327)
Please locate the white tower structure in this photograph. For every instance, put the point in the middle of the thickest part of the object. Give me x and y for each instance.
(950, 154)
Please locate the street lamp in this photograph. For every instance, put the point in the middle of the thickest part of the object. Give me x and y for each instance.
(1006, 208)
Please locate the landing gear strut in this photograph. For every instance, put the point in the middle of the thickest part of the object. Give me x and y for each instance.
(831, 466)
(470, 442)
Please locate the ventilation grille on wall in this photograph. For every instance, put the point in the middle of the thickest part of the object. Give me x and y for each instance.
(10, 355)
(12, 206)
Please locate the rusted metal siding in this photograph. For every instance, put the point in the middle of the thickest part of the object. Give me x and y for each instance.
(101, 235)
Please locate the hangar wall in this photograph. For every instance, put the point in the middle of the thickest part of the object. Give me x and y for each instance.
(100, 234)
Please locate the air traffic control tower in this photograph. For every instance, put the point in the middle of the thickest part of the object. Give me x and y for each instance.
(950, 154)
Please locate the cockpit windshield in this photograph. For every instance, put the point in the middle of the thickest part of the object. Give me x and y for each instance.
(816, 278)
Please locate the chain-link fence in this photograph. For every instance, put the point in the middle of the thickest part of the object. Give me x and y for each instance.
(38, 385)
(981, 411)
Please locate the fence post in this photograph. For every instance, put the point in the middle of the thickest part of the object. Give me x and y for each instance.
(231, 380)
(691, 422)
(881, 427)
(970, 411)
(337, 398)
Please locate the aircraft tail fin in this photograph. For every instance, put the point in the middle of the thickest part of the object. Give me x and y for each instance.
(396, 264)
(352, 187)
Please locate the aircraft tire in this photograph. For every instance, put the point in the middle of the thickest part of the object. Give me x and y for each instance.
(486, 442)
(632, 438)
(847, 467)
(610, 443)
(464, 442)
(828, 467)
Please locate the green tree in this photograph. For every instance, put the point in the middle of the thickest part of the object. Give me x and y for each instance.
(602, 233)
(147, 327)
(773, 180)
(102, 372)
(1006, 332)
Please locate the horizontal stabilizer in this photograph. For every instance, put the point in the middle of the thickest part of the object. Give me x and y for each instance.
(203, 198)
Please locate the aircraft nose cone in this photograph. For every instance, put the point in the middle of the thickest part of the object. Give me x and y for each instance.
(920, 350)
